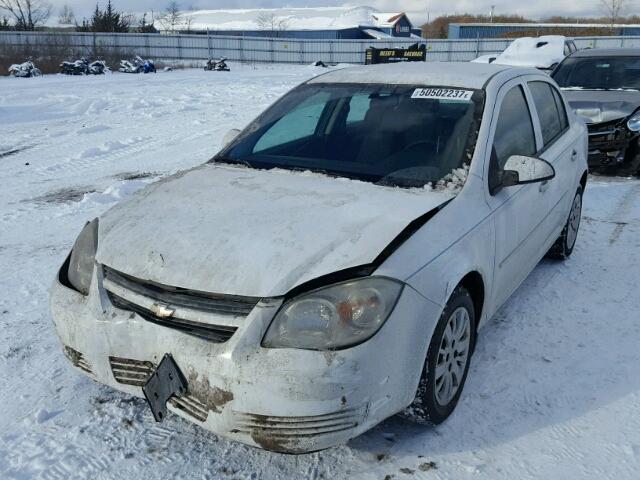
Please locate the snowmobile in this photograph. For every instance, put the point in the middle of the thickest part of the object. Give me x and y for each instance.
(24, 70)
(137, 65)
(98, 67)
(77, 67)
(217, 65)
(84, 67)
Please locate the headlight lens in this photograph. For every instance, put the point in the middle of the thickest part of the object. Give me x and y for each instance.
(83, 255)
(334, 317)
(633, 123)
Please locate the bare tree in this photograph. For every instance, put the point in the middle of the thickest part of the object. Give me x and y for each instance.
(187, 21)
(613, 9)
(66, 16)
(129, 18)
(27, 14)
(170, 18)
(269, 21)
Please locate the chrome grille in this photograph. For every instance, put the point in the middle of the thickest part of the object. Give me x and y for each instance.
(214, 333)
(230, 305)
(191, 406)
(131, 372)
(137, 372)
(298, 427)
(209, 316)
(77, 359)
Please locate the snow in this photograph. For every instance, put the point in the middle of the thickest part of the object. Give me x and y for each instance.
(386, 19)
(301, 18)
(377, 34)
(458, 75)
(553, 391)
(295, 18)
(317, 225)
(538, 52)
(455, 180)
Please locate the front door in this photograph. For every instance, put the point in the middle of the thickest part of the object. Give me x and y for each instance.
(518, 211)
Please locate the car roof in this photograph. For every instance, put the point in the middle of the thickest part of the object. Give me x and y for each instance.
(445, 74)
(607, 52)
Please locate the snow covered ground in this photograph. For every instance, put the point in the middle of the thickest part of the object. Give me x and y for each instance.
(554, 387)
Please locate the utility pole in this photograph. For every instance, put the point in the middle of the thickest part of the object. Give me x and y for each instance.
(428, 14)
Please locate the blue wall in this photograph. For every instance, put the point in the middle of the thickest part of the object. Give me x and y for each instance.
(496, 30)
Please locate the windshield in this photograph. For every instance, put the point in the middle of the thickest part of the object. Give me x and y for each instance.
(599, 73)
(405, 136)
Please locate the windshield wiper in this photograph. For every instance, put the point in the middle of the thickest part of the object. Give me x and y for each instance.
(308, 169)
(230, 161)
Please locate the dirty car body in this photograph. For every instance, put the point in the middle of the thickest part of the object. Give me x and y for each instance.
(297, 278)
(603, 87)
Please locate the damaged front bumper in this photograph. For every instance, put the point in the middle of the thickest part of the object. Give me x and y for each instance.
(611, 144)
(284, 400)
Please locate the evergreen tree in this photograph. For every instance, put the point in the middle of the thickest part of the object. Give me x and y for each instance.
(108, 20)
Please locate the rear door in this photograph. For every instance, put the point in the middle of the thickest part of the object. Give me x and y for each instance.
(559, 148)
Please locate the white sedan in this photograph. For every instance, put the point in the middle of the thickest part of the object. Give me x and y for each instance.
(331, 265)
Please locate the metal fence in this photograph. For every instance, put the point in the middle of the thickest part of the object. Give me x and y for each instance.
(194, 48)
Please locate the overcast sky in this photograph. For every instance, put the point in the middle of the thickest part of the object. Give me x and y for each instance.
(416, 8)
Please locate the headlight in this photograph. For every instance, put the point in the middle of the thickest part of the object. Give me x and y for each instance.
(82, 261)
(334, 317)
(633, 123)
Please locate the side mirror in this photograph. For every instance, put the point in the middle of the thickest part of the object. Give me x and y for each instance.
(230, 136)
(519, 170)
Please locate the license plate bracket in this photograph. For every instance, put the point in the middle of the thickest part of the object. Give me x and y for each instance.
(165, 382)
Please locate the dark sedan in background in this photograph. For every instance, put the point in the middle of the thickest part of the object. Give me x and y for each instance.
(603, 87)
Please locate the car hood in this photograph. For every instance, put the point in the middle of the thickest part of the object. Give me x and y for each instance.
(241, 231)
(599, 106)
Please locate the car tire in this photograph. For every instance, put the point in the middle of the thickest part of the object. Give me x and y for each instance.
(433, 402)
(563, 247)
(629, 168)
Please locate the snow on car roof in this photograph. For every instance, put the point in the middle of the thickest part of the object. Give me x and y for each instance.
(450, 74)
(541, 52)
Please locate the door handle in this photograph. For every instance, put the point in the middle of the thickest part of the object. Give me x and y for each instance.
(544, 186)
(574, 155)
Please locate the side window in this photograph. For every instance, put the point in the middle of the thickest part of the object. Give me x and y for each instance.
(514, 131)
(547, 108)
(358, 107)
(564, 120)
(295, 125)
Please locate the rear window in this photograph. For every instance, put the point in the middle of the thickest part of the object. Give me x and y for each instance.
(547, 107)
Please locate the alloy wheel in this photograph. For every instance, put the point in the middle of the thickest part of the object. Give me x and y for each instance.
(452, 356)
(574, 221)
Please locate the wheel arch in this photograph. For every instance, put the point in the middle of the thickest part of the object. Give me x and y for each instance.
(583, 181)
(474, 284)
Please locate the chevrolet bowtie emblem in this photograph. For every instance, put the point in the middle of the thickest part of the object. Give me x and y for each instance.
(162, 311)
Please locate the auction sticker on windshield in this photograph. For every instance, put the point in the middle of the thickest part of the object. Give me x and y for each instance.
(442, 94)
